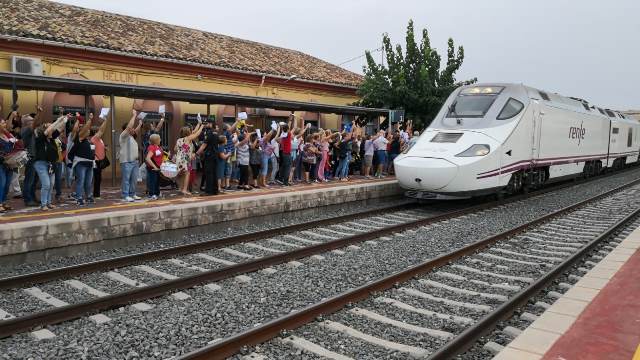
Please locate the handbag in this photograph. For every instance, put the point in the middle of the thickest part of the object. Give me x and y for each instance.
(104, 163)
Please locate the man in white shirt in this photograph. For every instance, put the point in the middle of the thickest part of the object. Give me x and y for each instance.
(380, 147)
(129, 158)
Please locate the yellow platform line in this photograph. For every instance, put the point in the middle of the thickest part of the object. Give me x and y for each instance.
(159, 202)
(637, 355)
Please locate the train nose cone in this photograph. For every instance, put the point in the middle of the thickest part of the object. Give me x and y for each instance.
(427, 174)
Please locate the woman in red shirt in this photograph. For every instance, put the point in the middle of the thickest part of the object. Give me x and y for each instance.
(153, 161)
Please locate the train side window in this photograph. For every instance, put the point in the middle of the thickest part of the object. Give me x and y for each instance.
(601, 111)
(615, 130)
(544, 95)
(510, 109)
(630, 137)
(585, 106)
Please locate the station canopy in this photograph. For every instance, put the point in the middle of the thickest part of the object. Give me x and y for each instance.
(90, 87)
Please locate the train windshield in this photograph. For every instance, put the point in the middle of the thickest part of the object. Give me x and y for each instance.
(474, 102)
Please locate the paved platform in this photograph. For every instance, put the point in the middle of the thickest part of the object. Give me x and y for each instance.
(598, 318)
(24, 230)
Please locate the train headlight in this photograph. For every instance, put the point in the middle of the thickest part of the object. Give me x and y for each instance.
(475, 150)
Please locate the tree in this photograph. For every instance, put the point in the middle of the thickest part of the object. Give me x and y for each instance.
(412, 80)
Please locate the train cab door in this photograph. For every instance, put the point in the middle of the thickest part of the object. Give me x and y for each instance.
(538, 114)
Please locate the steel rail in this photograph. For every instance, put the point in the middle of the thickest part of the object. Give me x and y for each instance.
(472, 334)
(127, 260)
(231, 345)
(73, 311)
(132, 259)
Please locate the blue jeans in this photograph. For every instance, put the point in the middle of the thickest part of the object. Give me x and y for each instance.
(57, 172)
(29, 187)
(46, 179)
(129, 178)
(343, 168)
(274, 167)
(153, 182)
(264, 164)
(5, 183)
(84, 176)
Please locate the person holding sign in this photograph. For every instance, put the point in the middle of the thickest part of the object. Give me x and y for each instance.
(148, 129)
(102, 162)
(129, 158)
(184, 151)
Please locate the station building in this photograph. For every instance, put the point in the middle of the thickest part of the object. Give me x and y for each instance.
(47, 38)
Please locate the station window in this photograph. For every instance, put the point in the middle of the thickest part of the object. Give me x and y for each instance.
(510, 109)
(630, 137)
(544, 96)
(615, 130)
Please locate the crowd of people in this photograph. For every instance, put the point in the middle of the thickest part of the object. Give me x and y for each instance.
(70, 152)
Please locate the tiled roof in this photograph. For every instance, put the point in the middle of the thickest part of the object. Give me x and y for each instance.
(46, 20)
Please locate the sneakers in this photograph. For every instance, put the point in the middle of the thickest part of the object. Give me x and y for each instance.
(129, 199)
(136, 197)
(80, 202)
(154, 197)
(91, 201)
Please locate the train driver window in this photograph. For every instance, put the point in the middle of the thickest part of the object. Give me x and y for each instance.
(510, 109)
(630, 138)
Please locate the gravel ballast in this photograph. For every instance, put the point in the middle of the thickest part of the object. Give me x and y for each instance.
(174, 327)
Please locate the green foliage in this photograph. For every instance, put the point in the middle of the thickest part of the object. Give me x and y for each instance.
(412, 80)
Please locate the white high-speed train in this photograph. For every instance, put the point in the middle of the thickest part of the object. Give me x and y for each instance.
(503, 138)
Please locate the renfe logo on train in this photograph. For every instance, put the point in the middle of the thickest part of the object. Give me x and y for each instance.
(577, 133)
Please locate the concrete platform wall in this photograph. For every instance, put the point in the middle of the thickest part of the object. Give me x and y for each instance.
(23, 237)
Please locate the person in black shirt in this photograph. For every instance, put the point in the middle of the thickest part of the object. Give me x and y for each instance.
(209, 152)
(394, 151)
(28, 124)
(83, 154)
(46, 153)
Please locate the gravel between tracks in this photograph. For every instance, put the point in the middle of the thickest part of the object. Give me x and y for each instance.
(175, 327)
(229, 229)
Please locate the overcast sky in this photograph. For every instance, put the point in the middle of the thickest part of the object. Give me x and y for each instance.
(583, 48)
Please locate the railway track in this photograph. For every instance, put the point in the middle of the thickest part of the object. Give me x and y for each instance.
(151, 279)
(442, 306)
(110, 283)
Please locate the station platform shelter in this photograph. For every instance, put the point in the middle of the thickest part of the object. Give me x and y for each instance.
(597, 319)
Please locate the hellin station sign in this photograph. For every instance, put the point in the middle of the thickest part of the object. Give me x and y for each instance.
(122, 77)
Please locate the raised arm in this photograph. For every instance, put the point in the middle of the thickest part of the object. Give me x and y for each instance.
(159, 125)
(101, 129)
(86, 128)
(132, 121)
(196, 132)
(246, 139)
(37, 121)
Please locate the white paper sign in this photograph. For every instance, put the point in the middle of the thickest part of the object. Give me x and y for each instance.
(274, 126)
(199, 117)
(259, 133)
(104, 112)
(242, 115)
(161, 109)
(142, 115)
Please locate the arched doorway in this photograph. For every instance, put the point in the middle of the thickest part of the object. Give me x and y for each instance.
(52, 101)
(171, 128)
